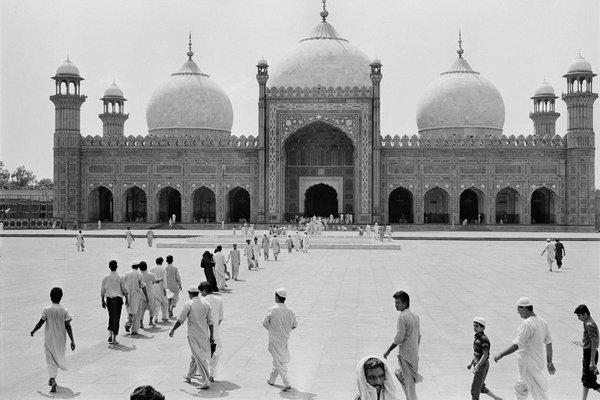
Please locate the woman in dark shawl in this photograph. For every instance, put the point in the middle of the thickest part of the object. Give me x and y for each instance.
(208, 265)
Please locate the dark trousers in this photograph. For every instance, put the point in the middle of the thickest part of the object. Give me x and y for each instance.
(559, 261)
(587, 377)
(114, 305)
(478, 385)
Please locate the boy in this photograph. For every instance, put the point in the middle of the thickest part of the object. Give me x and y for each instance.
(480, 361)
(590, 351)
(58, 321)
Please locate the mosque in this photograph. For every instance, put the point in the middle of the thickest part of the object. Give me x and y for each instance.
(319, 149)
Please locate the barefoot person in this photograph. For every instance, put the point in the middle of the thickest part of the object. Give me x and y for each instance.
(58, 325)
(480, 362)
(129, 237)
(533, 335)
(112, 292)
(200, 335)
(590, 351)
(136, 292)
(376, 380)
(550, 250)
(279, 321)
(408, 338)
(216, 309)
(160, 290)
(234, 256)
(276, 247)
(173, 284)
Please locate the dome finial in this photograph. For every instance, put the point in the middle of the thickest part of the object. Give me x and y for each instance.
(190, 53)
(324, 13)
(460, 50)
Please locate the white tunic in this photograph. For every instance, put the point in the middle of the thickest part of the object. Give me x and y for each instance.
(55, 336)
(198, 315)
(216, 309)
(532, 337)
(279, 321)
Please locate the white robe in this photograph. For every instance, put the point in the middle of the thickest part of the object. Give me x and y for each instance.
(279, 321)
(532, 338)
(160, 289)
(198, 315)
(220, 269)
(391, 388)
(55, 337)
(216, 309)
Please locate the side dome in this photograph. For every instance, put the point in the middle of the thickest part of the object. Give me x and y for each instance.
(67, 68)
(544, 90)
(580, 64)
(190, 103)
(323, 58)
(460, 103)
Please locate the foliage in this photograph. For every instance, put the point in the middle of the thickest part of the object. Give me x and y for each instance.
(22, 178)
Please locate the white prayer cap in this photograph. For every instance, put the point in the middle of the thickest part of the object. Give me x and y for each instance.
(135, 262)
(479, 320)
(547, 240)
(281, 292)
(193, 289)
(524, 302)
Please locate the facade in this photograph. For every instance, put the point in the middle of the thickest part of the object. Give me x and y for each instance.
(319, 149)
(26, 208)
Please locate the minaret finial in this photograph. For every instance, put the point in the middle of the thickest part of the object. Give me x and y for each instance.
(324, 13)
(68, 60)
(190, 53)
(460, 50)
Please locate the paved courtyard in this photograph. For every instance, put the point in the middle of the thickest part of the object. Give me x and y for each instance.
(344, 307)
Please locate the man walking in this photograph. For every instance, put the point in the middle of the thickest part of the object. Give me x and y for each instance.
(149, 303)
(265, 246)
(216, 308)
(549, 249)
(200, 335)
(160, 290)
(136, 288)
(407, 339)
(129, 237)
(150, 237)
(234, 256)
(590, 351)
(80, 242)
(279, 321)
(173, 283)
(559, 250)
(532, 335)
(112, 292)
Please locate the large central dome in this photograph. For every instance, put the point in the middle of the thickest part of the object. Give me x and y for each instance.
(190, 103)
(460, 103)
(323, 58)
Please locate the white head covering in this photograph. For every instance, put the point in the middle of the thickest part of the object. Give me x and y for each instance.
(391, 389)
(547, 240)
(281, 292)
(479, 320)
(193, 289)
(524, 302)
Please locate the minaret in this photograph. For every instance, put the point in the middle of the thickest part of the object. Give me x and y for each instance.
(376, 136)
(114, 117)
(543, 116)
(579, 177)
(67, 136)
(262, 76)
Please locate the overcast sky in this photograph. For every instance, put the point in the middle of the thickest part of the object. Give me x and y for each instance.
(514, 43)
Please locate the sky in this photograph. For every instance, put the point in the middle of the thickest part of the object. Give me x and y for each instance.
(513, 43)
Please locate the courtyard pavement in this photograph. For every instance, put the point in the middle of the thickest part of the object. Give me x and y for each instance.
(343, 302)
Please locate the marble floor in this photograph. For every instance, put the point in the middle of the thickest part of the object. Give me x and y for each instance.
(343, 302)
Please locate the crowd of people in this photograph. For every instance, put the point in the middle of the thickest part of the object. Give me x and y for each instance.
(157, 291)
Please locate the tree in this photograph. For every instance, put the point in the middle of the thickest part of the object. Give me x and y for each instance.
(23, 178)
(4, 176)
(45, 183)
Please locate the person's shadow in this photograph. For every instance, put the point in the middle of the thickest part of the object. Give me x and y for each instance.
(294, 393)
(217, 389)
(62, 392)
(138, 336)
(122, 347)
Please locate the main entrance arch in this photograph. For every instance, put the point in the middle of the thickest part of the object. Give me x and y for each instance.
(321, 200)
(100, 204)
(319, 153)
(543, 206)
(204, 205)
(435, 206)
(471, 206)
(400, 206)
(508, 204)
(135, 205)
(169, 203)
(238, 205)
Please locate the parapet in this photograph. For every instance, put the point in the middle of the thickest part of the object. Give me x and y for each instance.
(503, 141)
(232, 142)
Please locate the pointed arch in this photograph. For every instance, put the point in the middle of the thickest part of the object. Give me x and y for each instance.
(436, 206)
(135, 204)
(472, 205)
(204, 205)
(508, 206)
(238, 204)
(400, 206)
(543, 206)
(169, 204)
(100, 204)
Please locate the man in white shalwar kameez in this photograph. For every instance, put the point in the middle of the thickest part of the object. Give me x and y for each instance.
(160, 290)
(532, 335)
(221, 273)
(216, 308)
(136, 292)
(408, 339)
(200, 335)
(550, 250)
(376, 380)
(279, 321)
